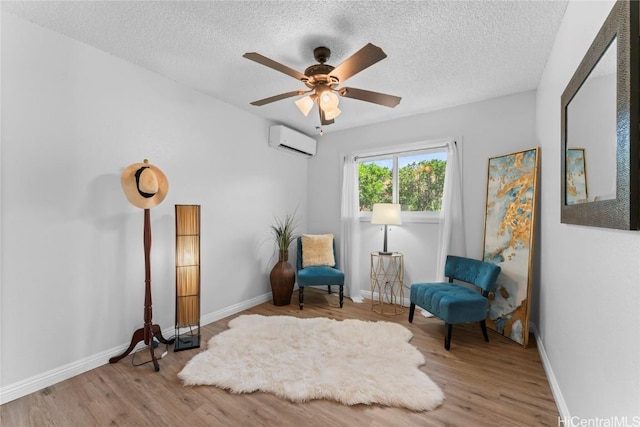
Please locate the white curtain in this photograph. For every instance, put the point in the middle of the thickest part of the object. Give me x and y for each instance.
(451, 236)
(350, 242)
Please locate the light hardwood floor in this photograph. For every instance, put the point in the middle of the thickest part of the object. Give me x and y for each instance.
(498, 383)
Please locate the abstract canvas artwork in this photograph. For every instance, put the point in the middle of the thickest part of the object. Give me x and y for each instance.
(508, 239)
(576, 171)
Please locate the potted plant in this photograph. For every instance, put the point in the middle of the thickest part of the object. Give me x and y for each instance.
(283, 276)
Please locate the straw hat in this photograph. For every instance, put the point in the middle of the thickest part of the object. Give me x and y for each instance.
(144, 185)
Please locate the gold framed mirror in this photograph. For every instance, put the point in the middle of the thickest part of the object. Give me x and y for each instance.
(600, 163)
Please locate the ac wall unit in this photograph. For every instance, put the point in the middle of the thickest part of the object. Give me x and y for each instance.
(294, 142)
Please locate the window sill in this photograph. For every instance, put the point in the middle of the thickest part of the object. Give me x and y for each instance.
(410, 217)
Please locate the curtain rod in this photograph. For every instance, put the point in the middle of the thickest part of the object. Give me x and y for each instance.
(433, 147)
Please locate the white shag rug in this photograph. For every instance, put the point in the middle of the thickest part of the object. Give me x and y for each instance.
(349, 361)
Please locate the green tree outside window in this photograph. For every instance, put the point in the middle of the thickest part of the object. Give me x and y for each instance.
(376, 185)
(420, 182)
(421, 185)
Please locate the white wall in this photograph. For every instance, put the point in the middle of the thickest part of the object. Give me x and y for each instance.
(486, 129)
(589, 289)
(72, 246)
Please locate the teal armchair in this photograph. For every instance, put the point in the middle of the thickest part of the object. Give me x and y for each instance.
(318, 275)
(455, 303)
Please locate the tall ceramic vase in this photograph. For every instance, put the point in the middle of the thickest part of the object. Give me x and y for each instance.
(282, 278)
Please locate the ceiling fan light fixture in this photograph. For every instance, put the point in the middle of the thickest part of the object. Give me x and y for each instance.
(323, 80)
(332, 113)
(329, 100)
(305, 104)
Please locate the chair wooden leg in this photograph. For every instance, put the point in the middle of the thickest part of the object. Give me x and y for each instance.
(329, 289)
(412, 310)
(483, 326)
(447, 338)
(341, 294)
(301, 297)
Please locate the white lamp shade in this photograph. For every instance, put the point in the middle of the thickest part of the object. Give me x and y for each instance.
(305, 104)
(386, 213)
(332, 114)
(328, 100)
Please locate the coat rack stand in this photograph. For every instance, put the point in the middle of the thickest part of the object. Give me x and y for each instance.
(149, 330)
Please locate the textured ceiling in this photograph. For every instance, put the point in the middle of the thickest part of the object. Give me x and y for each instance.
(439, 53)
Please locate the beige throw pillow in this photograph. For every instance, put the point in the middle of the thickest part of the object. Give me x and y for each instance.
(317, 249)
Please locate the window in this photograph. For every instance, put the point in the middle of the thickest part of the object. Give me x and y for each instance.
(414, 178)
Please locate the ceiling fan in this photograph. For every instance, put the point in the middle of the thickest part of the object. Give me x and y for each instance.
(323, 80)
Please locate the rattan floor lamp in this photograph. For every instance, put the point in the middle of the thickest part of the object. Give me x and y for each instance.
(187, 277)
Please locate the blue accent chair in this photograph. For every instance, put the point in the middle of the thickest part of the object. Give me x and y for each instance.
(456, 303)
(318, 275)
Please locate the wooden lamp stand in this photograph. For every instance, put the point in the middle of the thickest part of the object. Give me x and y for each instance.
(149, 330)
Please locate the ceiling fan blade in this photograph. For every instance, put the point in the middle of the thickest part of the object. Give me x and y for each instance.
(260, 59)
(364, 58)
(370, 96)
(323, 120)
(278, 97)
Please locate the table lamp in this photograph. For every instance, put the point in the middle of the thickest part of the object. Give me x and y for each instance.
(386, 214)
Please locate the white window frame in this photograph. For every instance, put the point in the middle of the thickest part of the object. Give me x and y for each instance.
(394, 152)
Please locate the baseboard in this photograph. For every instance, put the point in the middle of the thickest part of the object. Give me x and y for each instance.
(563, 410)
(233, 309)
(56, 375)
(374, 296)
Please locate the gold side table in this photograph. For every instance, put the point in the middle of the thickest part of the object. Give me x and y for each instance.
(387, 276)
